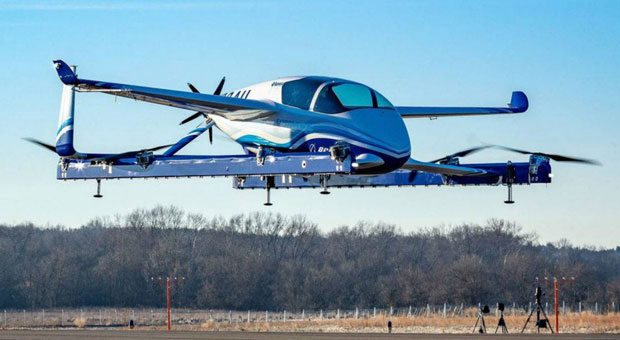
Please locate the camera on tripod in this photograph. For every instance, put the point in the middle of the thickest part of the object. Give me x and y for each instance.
(540, 322)
(480, 320)
(501, 322)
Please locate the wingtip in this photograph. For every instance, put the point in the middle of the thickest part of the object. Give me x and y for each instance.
(519, 102)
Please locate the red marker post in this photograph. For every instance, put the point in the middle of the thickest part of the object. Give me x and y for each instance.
(168, 279)
(168, 301)
(556, 297)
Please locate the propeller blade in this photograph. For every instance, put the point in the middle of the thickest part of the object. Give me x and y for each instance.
(555, 157)
(220, 86)
(129, 153)
(217, 92)
(193, 88)
(561, 158)
(461, 153)
(156, 148)
(192, 117)
(211, 135)
(523, 152)
(41, 144)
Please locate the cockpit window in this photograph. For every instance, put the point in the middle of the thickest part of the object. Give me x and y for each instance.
(299, 93)
(341, 97)
(353, 95)
(327, 102)
(382, 102)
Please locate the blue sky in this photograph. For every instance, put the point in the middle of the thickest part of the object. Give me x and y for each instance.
(564, 54)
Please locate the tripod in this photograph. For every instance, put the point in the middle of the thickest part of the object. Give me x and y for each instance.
(501, 323)
(540, 323)
(483, 326)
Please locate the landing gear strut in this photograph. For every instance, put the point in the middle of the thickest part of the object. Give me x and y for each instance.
(324, 179)
(98, 194)
(268, 203)
(270, 182)
(509, 200)
(510, 178)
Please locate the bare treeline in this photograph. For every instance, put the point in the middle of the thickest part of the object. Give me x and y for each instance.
(259, 261)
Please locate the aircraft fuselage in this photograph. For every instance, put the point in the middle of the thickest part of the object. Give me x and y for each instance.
(376, 137)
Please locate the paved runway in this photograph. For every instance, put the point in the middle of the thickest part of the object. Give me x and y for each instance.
(150, 334)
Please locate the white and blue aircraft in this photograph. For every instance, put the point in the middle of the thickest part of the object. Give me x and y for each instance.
(306, 116)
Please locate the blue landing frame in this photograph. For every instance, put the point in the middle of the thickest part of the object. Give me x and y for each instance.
(294, 170)
(200, 166)
(523, 174)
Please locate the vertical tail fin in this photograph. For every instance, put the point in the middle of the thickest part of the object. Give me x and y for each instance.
(64, 135)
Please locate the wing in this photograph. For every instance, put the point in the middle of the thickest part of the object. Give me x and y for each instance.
(445, 169)
(518, 104)
(230, 107)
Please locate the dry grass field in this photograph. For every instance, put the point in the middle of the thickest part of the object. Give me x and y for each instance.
(571, 323)
(343, 322)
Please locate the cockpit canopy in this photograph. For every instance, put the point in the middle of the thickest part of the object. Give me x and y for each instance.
(331, 95)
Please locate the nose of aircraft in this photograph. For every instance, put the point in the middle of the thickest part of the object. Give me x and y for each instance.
(387, 129)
